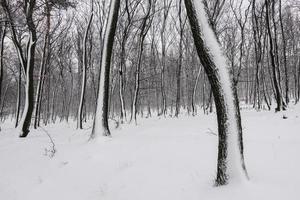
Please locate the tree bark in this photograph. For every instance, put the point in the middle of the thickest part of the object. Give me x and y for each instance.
(230, 155)
(83, 79)
(100, 126)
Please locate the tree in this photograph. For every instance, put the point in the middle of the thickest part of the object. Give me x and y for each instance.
(230, 152)
(2, 37)
(100, 126)
(179, 66)
(26, 59)
(166, 9)
(273, 52)
(144, 28)
(84, 70)
(45, 55)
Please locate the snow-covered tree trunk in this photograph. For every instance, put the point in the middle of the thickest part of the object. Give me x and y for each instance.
(26, 60)
(25, 121)
(230, 165)
(83, 80)
(100, 126)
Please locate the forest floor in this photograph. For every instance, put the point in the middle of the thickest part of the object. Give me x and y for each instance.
(159, 159)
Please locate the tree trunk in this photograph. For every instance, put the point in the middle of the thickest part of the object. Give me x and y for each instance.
(100, 126)
(179, 66)
(230, 155)
(194, 109)
(42, 67)
(275, 74)
(2, 37)
(284, 55)
(143, 32)
(83, 80)
(18, 104)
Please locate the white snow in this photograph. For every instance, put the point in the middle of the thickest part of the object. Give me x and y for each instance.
(161, 159)
(234, 166)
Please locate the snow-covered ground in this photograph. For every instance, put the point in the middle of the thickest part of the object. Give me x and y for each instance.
(160, 159)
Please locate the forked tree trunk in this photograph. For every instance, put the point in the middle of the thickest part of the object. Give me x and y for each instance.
(230, 152)
(100, 126)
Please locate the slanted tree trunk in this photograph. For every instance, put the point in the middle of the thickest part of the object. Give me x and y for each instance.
(83, 80)
(100, 126)
(230, 155)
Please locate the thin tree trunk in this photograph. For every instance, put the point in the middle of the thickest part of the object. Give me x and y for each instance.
(179, 66)
(42, 68)
(275, 74)
(195, 90)
(83, 81)
(284, 55)
(143, 32)
(2, 37)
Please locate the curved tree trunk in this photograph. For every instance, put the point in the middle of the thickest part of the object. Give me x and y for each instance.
(230, 155)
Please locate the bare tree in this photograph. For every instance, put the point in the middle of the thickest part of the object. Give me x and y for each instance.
(230, 154)
(84, 70)
(144, 28)
(100, 126)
